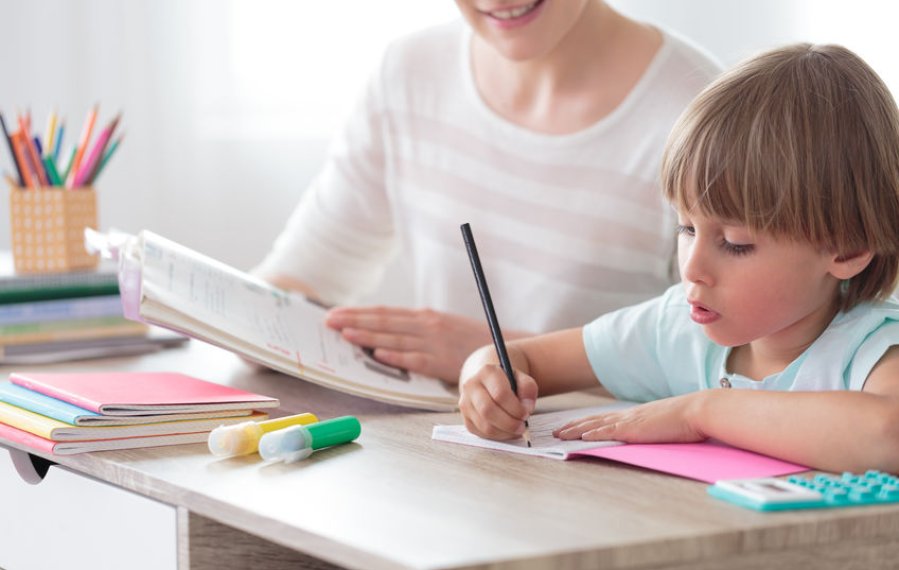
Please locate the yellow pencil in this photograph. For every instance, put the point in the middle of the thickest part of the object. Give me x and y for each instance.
(51, 134)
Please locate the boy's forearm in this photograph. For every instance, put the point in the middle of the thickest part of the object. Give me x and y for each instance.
(557, 361)
(835, 431)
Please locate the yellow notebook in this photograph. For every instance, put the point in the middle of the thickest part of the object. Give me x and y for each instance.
(56, 430)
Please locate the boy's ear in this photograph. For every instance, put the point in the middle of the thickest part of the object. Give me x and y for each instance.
(848, 266)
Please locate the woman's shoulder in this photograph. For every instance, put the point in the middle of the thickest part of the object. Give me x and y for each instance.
(679, 71)
(684, 57)
(423, 52)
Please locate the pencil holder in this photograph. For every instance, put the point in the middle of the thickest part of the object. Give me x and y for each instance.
(48, 228)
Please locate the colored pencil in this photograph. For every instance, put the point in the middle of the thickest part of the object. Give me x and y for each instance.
(82, 145)
(32, 154)
(12, 152)
(68, 168)
(112, 148)
(52, 173)
(51, 133)
(89, 166)
(58, 144)
(24, 159)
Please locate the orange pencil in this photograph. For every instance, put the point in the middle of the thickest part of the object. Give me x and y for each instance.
(23, 159)
(82, 145)
(32, 153)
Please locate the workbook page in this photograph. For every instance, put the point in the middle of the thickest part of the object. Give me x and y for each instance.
(541, 428)
(284, 330)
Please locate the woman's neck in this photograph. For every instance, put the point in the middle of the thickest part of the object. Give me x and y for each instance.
(583, 79)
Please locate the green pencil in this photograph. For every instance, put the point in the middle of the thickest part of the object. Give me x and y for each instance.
(112, 148)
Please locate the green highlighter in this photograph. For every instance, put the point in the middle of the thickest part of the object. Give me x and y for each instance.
(299, 441)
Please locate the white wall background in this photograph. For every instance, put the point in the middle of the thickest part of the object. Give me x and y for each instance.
(228, 104)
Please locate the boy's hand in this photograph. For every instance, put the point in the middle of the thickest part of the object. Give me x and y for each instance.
(671, 420)
(420, 340)
(489, 406)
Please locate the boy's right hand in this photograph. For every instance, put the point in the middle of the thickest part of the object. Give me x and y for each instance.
(489, 406)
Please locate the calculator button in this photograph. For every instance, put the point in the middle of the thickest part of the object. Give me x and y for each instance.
(850, 478)
(836, 495)
(874, 487)
(725, 383)
(861, 494)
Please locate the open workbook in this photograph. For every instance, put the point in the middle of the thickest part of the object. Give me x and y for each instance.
(169, 285)
(707, 461)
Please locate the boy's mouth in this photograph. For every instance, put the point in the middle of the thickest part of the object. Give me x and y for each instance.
(701, 314)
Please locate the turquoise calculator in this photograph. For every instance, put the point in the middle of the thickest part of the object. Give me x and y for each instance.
(820, 491)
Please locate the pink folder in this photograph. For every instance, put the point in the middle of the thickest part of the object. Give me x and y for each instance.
(708, 461)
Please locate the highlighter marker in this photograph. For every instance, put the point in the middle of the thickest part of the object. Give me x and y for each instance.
(299, 441)
(243, 438)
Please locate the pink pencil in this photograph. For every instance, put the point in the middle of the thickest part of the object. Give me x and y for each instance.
(86, 171)
(82, 145)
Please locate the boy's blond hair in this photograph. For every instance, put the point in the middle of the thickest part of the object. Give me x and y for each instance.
(801, 142)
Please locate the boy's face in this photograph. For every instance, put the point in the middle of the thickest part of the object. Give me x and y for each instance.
(522, 29)
(744, 287)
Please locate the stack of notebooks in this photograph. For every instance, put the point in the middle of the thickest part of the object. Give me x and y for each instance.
(68, 413)
(67, 316)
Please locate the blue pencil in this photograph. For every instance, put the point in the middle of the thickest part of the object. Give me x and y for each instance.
(58, 144)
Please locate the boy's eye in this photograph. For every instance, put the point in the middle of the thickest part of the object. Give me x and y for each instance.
(685, 230)
(737, 248)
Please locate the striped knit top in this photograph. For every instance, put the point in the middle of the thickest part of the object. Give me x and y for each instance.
(568, 226)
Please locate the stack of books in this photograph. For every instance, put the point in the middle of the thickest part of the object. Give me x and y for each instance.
(68, 413)
(68, 316)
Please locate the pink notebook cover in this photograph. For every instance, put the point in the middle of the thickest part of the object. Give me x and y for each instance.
(709, 461)
(129, 393)
(26, 439)
(48, 447)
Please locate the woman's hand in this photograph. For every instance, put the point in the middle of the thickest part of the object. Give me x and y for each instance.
(671, 420)
(489, 406)
(420, 340)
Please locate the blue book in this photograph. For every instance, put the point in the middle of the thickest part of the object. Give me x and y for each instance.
(61, 310)
(44, 405)
(38, 403)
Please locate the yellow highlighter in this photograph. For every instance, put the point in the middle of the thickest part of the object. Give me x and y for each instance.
(243, 438)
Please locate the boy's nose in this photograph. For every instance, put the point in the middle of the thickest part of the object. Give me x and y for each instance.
(694, 266)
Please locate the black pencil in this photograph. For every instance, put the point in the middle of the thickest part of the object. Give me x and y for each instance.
(12, 152)
(492, 321)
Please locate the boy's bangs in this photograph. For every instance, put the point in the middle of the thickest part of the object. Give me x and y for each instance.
(698, 176)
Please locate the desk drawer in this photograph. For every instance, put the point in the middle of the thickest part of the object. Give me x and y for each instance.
(72, 521)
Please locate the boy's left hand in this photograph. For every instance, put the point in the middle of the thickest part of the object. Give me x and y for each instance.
(671, 420)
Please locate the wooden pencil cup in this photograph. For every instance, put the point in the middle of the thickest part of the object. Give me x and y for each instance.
(48, 228)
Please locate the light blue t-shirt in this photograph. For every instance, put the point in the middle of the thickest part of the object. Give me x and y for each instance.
(654, 350)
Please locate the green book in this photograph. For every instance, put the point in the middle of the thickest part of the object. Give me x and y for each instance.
(16, 288)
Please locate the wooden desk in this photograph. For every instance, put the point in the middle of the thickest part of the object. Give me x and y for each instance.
(396, 499)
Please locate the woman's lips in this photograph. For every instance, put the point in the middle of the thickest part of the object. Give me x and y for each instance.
(515, 17)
